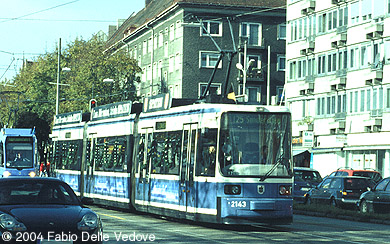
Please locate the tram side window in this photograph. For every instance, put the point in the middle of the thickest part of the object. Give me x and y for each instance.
(110, 154)
(206, 153)
(165, 152)
(66, 155)
(141, 151)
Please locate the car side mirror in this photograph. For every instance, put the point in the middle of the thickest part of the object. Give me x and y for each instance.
(86, 200)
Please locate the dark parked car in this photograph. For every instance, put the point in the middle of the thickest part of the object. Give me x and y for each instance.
(340, 191)
(374, 175)
(304, 180)
(376, 199)
(45, 209)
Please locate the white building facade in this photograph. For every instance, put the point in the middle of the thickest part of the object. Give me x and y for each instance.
(338, 82)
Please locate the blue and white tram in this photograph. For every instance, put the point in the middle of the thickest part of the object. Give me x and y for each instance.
(215, 163)
(110, 143)
(220, 163)
(18, 152)
(67, 148)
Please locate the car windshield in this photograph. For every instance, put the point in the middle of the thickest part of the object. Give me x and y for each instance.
(372, 175)
(355, 184)
(308, 176)
(36, 192)
(255, 144)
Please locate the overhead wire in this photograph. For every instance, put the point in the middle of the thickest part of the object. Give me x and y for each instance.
(39, 11)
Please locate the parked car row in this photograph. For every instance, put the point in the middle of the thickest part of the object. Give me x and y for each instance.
(347, 188)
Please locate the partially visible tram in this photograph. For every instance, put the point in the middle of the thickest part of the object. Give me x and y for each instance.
(18, 152)
(219, 163)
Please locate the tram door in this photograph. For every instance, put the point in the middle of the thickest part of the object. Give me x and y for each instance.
(187, 187)
(144, 183)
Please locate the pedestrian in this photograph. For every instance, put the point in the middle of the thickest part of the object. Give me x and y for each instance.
(41, 169)
(48, 169)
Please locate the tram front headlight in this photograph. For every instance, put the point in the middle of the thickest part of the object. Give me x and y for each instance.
(284, 190)
(6, 173)
(232, 189)
(32, 174)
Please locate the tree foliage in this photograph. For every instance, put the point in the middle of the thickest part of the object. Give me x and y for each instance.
(89, 66)
(30, 99)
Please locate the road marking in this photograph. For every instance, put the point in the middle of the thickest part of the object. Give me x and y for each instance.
(112, 216)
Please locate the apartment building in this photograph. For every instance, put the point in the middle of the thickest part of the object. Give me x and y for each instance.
(177, 44)
(338, 83)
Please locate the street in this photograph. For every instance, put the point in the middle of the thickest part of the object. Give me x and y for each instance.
(125, 227)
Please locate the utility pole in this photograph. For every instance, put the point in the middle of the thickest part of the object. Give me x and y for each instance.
(58, 76)
(268, 75)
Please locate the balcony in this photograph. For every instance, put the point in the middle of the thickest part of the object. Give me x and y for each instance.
(376, 78)
(308, 48)
(338, 2)
(376, 113)
(340, 116)
(374, 31)
(339, 41)
(309, 8)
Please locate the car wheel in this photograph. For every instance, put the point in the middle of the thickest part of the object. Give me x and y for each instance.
(365, 207)
(333, 202)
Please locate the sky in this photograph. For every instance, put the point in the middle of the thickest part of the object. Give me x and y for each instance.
(29, 28)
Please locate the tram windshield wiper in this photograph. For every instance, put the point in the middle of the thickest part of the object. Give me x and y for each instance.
(278, 162)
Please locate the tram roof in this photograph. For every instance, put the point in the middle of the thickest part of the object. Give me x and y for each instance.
(18, 131)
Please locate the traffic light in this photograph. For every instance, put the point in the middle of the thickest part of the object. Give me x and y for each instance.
(92, 104)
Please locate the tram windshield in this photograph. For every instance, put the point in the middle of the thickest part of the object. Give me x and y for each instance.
(19, 152)
(255, 144)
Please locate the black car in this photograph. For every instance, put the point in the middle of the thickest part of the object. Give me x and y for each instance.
(340, 191)
(376, 199)
(304, 180)
(45, 209)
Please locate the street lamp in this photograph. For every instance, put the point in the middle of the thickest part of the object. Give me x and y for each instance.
(65, 69)
(244, 68)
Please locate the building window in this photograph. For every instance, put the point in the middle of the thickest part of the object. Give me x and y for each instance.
(150, 44)
(253, 94)
(166, 49)
(322, 23)
(144, 47)
(366, 9)
(171, 67)
(177, 61)
(281, 66)
(171, 32)
(209, 60)
(282, 32)
(214, 28)
(179, 29)
(321, 64)
(214, 89)
(155, 41)
(302, 68)
(252, 33)
(160, 39)
(293, 67)
(332, 62)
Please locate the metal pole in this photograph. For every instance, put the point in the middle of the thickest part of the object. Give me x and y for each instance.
(244, 72)
(58, 77)
(268, 75)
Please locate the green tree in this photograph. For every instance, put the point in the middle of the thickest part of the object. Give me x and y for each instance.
(32, 93)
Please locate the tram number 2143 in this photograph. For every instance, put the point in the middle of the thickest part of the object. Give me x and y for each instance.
(237, 204)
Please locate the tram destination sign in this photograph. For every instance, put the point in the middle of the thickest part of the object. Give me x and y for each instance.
(68, 118)
(113, 110)
(157, 103)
